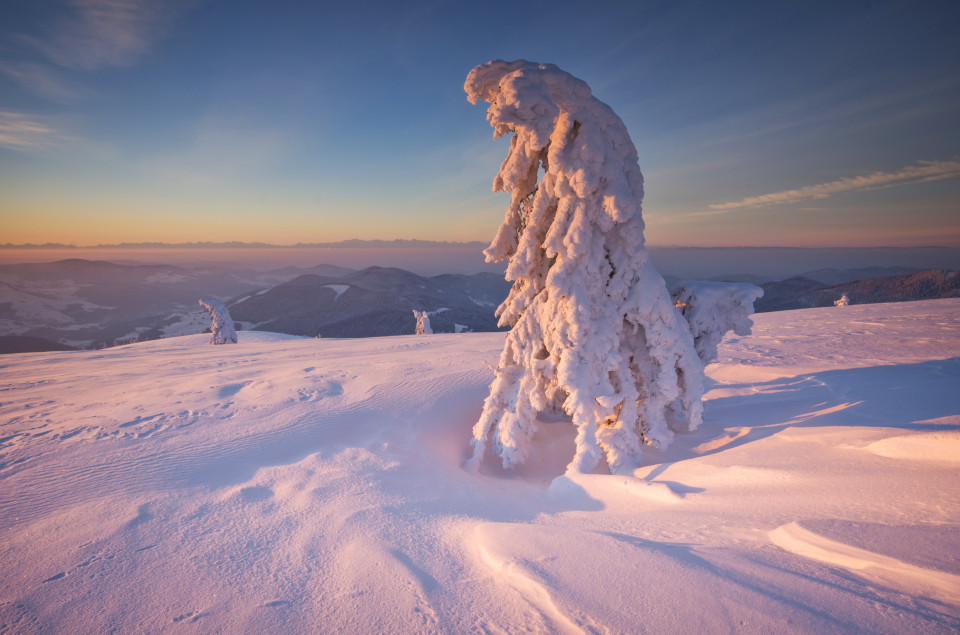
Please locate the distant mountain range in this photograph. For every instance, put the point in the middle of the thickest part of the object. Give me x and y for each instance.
(803, 292)
(87, 304)
(84, 303)
(839, 276)
(90, 304)
(374, 301)
(352, 243)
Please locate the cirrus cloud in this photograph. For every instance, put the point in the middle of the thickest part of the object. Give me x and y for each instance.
(39, 79)
(24, 131)
(923, 172)
(102, 33)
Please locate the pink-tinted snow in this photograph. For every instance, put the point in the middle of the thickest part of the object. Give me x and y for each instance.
(310, 485)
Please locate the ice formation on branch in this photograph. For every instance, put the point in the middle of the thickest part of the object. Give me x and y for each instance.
(221, 330)
(843, 301)
(594, 331)
(423, 322)
(714, 308)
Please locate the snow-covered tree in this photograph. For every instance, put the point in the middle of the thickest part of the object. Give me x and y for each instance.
(594, 331)
(843, 301)
(221, 330)
(423, 322)
(712, 309)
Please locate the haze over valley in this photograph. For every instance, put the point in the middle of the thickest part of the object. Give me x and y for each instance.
(90, 304)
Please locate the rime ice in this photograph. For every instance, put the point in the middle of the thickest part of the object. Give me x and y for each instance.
(594, 331)
(221, 330)
(714, 308)
(423, 323)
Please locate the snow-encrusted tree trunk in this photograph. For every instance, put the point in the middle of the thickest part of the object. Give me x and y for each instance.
(714, 308)
(423, 323)
(221, 330)
(595, 333)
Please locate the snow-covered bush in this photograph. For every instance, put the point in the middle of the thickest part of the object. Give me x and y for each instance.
(221, 330)
(423, 323)
(714, 308)
(594, 331)
(843, 301)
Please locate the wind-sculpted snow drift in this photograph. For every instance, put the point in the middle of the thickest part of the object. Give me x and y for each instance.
(594, 331)
(221, 330)
(301, 485)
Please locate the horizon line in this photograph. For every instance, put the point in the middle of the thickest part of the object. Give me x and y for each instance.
(398, 242)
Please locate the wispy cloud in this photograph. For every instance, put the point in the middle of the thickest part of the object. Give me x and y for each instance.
(39, 79)
(22, 131)
(102, 33)
(921, 173)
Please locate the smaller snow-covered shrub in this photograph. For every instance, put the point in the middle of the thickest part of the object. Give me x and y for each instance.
(221, 330)
(843, 301)
(714, 308)
(423, 323)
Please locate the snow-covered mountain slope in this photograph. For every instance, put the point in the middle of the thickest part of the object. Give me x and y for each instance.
(83, 302)
(804, 293)
(305, 485)
(372, 302)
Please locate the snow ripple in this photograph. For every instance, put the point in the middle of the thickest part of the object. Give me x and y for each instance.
(875, 567)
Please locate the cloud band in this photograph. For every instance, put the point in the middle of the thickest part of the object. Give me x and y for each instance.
(923, 172)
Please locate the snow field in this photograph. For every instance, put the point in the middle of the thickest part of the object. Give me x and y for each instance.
(303, 485)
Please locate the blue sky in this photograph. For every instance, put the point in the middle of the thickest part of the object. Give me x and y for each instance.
(801, 124)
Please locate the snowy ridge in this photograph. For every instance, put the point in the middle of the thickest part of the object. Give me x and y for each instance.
(875, 567)
(374, 301)
(337, 288)
(303, 485)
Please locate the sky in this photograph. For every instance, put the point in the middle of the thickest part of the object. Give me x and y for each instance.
(769, 123)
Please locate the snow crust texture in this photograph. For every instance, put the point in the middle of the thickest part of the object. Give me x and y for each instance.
(713, 309)
(594, 332)
(221, 329)
(301, 485)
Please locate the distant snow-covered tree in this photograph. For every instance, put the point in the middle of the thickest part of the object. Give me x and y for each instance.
(843, 301)
(423, 322)
(594, 331)
(712, 309)
(221, 330)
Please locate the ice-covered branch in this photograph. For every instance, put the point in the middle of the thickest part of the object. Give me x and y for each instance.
(712, 309)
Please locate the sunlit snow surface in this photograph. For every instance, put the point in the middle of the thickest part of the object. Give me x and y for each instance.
(310, 485)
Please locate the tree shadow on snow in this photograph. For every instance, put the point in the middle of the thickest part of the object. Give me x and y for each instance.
(903, 396)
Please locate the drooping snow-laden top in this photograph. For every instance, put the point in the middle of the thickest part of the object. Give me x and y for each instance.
(595, 333)
(221, 330)
(712, 309)
(423, 323)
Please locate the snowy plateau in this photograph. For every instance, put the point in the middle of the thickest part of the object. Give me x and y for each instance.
(288, 485)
